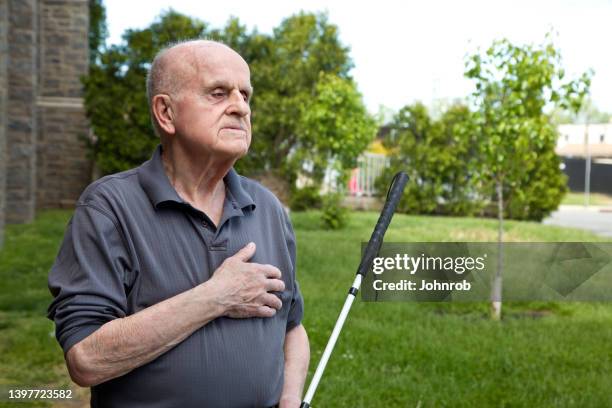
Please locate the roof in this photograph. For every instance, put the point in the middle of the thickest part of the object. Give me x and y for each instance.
(578, 150)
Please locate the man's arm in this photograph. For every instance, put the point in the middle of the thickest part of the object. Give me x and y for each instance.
(237, 289)
(297, 357)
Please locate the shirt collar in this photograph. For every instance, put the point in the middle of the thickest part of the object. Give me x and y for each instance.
(156, 185)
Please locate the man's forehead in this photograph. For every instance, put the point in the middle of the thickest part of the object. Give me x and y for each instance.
(221, 64)
(210, 61)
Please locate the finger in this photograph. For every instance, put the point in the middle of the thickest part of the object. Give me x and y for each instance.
(246, 252)
(271, 271)
(274, 285)
(265, 311)
(272, 301)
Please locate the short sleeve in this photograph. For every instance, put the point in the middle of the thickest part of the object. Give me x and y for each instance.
(87, 278)
(296, 309)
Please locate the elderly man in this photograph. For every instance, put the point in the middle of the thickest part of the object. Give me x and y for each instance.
(175, 284)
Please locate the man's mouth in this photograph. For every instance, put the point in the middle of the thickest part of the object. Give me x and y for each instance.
(233, 127)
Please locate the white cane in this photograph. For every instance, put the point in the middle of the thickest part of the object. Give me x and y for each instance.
(393, 196)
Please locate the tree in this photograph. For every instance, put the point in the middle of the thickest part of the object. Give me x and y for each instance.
(334, 125)
(97, 30)
(303, 51)
(441, 158)
(301, 69)
(589, 113)
(514, 85)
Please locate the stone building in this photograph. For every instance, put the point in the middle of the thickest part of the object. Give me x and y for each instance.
(43, 53)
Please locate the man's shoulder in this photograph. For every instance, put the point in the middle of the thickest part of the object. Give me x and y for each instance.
(110, 188)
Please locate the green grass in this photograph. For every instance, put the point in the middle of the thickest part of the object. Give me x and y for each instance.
(389, 354)
(448, 355)
(594, 199)
(30, 353)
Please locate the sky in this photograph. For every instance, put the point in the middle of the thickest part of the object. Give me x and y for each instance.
(407, 51)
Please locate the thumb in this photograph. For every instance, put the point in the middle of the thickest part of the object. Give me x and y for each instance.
(246, 252)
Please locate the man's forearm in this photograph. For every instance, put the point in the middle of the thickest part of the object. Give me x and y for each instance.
(123, 344)
(297, 357)
(238, 288)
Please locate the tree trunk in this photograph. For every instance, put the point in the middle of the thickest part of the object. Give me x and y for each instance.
(496, 289)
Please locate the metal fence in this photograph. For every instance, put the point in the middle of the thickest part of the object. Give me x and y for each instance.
(600, 176)
(369, 167)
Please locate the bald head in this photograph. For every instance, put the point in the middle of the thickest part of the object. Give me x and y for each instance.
(176, 66)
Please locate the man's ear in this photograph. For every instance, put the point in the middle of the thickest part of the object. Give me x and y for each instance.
(162, 109)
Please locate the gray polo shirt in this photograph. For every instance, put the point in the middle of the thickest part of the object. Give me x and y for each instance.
(133, 242)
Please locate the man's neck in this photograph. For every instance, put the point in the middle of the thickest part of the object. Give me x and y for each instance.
(197, 179)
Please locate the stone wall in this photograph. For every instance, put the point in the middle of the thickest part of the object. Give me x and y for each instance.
(63, 169)
(21, 111)
(3, 86)
(43, 157)
(63, 47)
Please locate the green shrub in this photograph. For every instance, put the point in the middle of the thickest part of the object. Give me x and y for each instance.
(305, 199)
(334, 215)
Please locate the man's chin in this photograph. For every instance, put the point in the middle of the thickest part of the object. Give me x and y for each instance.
(235, 152)
(241, 154)
(224, 148)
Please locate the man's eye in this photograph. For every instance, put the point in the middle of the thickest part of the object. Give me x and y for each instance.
(218, 94)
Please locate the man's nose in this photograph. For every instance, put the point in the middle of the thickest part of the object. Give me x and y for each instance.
(238, 106)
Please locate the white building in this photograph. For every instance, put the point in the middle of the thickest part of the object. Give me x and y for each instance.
(571, 142)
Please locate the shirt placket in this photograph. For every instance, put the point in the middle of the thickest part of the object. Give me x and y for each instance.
(210, 234)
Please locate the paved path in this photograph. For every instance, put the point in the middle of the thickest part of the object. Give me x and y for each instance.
(594, 218)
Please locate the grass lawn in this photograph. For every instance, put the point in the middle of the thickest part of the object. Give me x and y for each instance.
(389, 354)
(594, 199)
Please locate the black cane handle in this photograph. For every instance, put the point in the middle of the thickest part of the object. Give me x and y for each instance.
(393, 197)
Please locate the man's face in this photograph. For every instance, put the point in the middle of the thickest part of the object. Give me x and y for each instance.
(212, 112)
